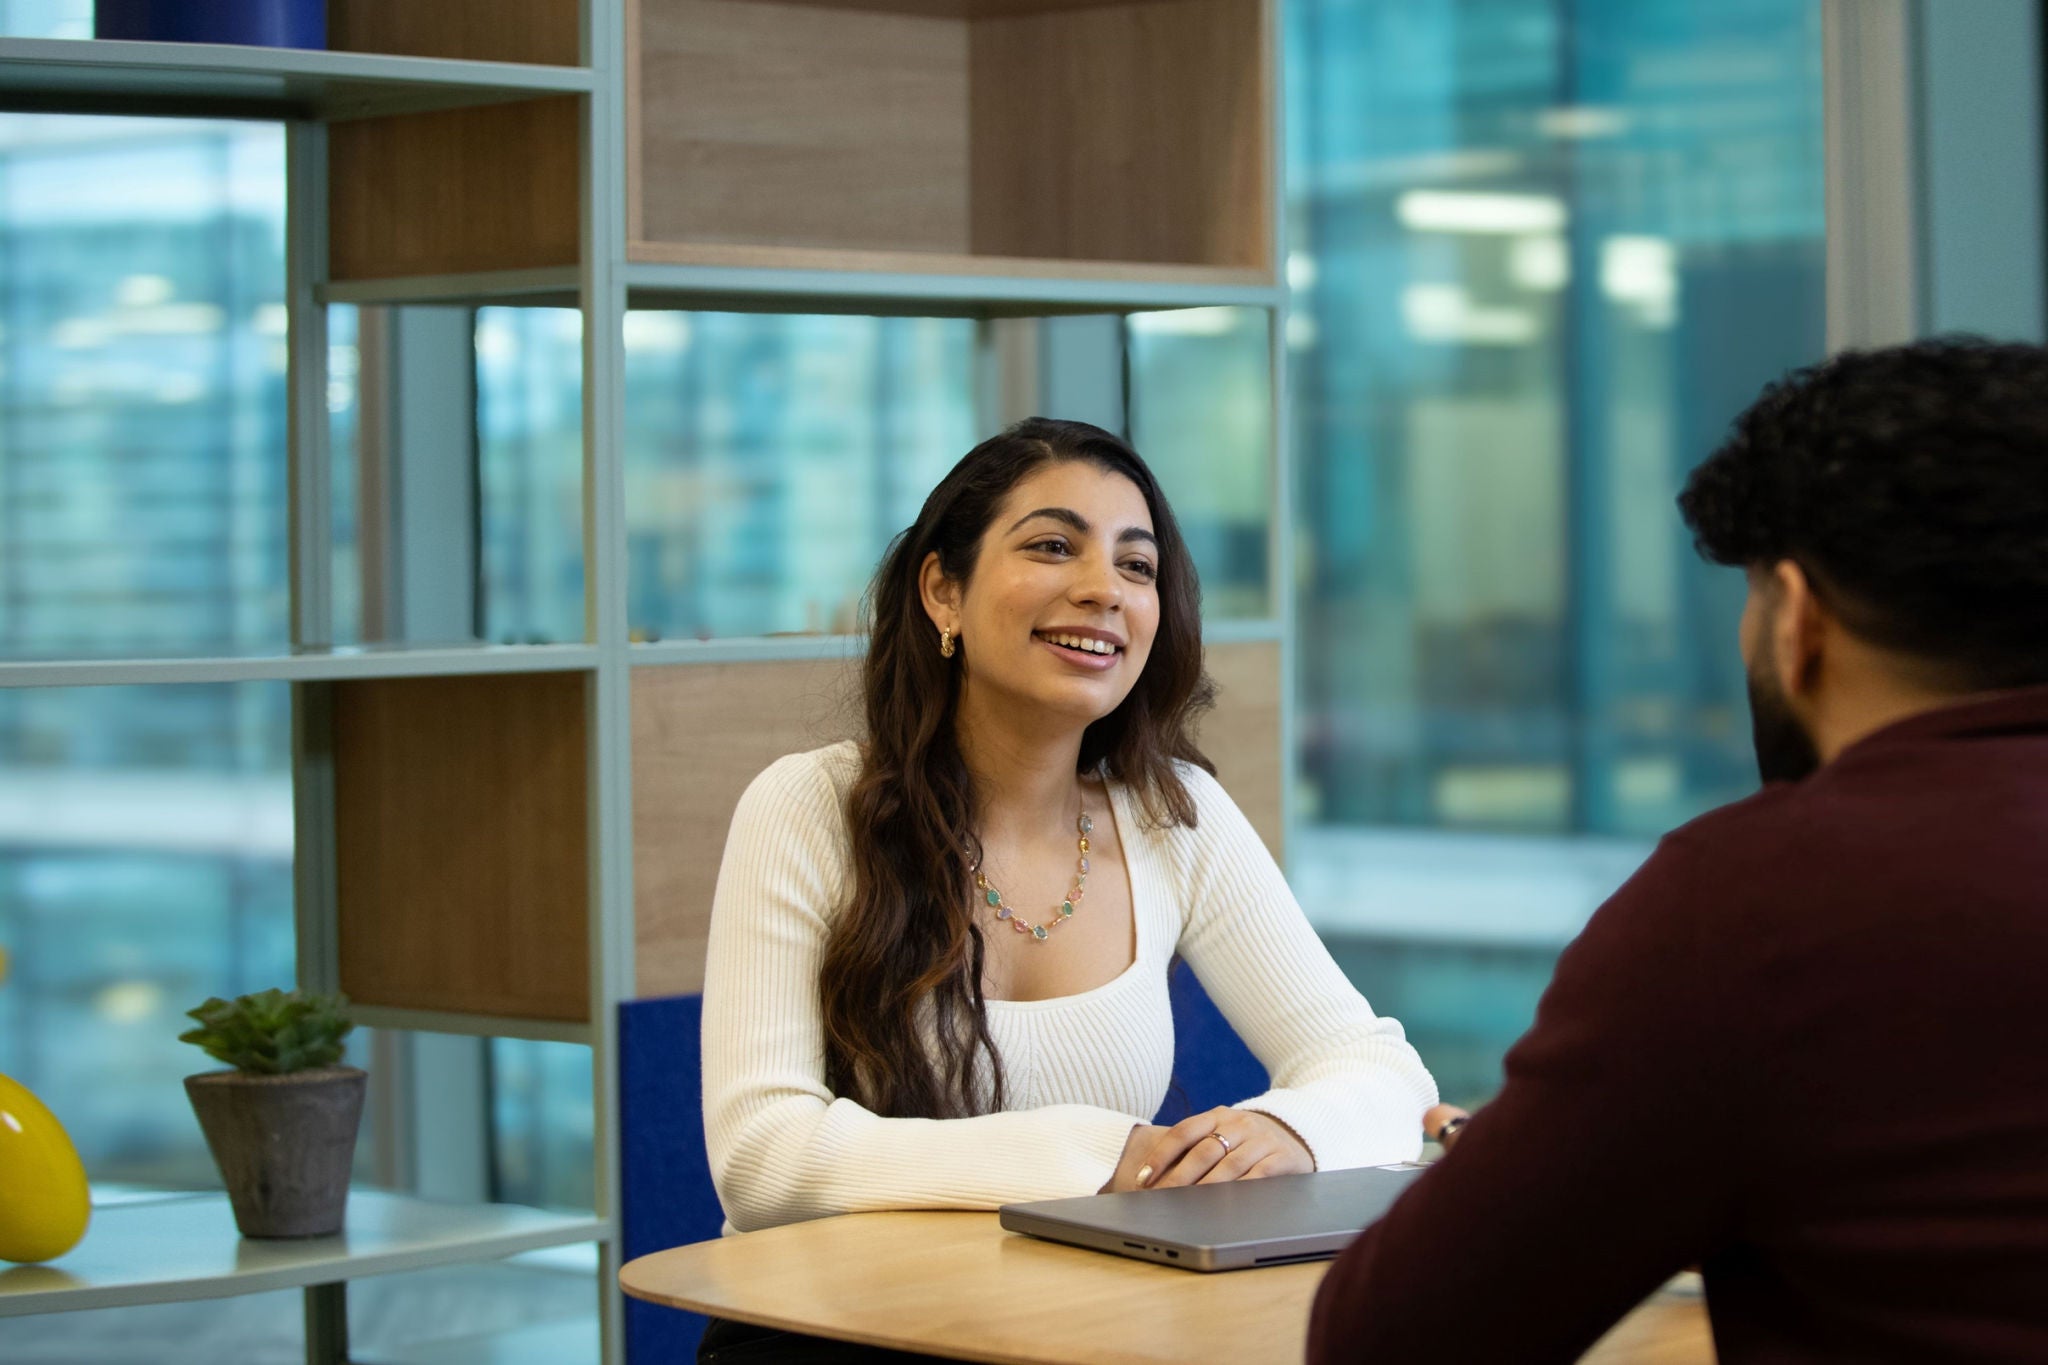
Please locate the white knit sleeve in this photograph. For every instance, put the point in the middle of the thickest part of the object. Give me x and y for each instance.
(783, 1148)
(1343, 1078)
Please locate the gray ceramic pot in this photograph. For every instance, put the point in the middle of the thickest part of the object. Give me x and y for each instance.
(284, 1145)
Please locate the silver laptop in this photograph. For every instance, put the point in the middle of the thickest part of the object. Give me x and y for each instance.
(1223, 1227)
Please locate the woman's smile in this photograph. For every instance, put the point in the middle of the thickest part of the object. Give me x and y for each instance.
(1095, 650)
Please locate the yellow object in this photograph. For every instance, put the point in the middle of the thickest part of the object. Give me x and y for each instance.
(43, 1200)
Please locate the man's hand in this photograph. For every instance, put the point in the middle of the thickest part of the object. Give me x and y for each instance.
(1252, 1146)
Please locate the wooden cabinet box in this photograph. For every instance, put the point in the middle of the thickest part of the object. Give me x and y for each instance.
(952, 135)
(1032, 138)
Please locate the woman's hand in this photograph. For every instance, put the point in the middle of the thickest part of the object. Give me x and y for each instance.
(1252, 1147)
(1433, 1124)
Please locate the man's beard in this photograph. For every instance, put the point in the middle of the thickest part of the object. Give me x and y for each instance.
(1784, 751)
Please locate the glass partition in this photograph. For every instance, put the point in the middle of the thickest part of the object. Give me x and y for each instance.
(1200, 386)
(1544, 252)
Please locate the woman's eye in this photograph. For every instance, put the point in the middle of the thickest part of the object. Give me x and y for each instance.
(1052, 546)
(1144, 568)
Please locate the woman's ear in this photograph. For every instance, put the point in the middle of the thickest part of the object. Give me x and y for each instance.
(941, 594)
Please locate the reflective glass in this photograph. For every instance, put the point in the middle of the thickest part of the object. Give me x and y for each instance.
(142, 364)
(542, 1124)
(145, 864)
(344, 425)
(46, 18)
(771, 459)
(529, 414)
(1200, 408)
(1544, 252)
(145, 833)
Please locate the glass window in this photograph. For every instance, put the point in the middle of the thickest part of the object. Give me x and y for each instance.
(145, 833)
(145, 864)
(770, 460)
(142, 372)
(542, 1124)
(1201, 413)
(46, 18)
(1544, 253)
(529, 411)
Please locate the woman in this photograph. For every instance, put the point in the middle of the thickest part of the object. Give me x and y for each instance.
(937, 974)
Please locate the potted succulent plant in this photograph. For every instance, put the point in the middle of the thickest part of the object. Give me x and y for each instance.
(282, 1123)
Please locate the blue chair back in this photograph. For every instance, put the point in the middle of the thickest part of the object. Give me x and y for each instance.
(665, 1189)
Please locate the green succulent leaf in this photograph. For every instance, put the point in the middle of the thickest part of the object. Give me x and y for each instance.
(273, 1032)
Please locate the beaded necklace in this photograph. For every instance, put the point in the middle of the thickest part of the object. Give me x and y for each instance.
(1066, 909)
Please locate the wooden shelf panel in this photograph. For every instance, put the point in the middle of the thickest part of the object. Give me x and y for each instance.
(702, 731)
(462, 845)
(534, 31)
(95, 76)
(307, 665)
(456, 191)
(1138, 132)
(1123, 136)
(186, 1247)
(471, 1025)
(700, 735)
(1242, 735)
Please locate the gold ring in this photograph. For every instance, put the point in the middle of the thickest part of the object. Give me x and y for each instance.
(1224, 1140)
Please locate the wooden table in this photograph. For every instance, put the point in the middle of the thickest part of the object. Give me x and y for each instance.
(956, 1284)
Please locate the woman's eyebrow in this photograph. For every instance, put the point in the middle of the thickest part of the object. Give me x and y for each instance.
(1066, 515)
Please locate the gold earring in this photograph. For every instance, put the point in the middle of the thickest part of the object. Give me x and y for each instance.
(946, 644)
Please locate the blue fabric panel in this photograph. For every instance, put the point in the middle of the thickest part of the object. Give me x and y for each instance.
(1211, 1064)
(665, 1180)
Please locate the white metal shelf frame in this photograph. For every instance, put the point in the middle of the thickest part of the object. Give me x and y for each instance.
(340, 663)
(218, 80)
(991, 293)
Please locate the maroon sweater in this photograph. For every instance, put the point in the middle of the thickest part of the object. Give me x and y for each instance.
(1804, 1048)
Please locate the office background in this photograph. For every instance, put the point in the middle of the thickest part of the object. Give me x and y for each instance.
(1540, 252)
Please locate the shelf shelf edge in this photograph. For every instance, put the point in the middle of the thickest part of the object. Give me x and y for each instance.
(451, 662)
(472, 1025)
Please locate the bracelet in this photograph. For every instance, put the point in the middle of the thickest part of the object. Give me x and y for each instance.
(1449, 1127)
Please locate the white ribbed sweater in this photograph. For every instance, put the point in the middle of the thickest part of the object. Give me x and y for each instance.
(1080, 1070)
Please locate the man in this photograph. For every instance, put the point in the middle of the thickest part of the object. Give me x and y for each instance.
(1806, 1046)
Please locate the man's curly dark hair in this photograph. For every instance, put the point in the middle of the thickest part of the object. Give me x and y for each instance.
(1910, 485)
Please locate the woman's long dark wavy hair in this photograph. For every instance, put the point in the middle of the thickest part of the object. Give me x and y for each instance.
(906, 1023)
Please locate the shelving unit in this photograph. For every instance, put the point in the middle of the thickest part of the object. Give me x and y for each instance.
(185, 1247)
(209, 80)
(313, 663)
(182, 1247)
(516, 840)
